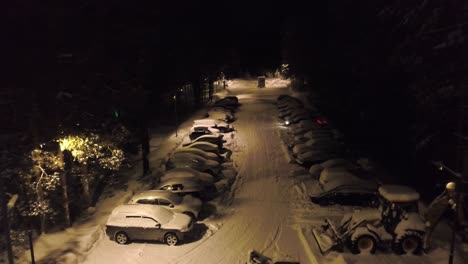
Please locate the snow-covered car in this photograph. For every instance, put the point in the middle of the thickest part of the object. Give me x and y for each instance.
(227, 105)
(316, 169)
(188, 173)
(353, 192)
(197, 131)
(223, 126)
(296, 117)
(185, 186)
(187, 204)
(316, 156)
(205, 146)
(199, 152)
(232, 98)
(214, 139)
(189, 160)
(290, 106)
(314, 133)
(287, 102)
(303, 126)
(230, 109)
(336, 173)
(221, 109)
(302, 140)
(228, 101)
(293, 110)
(147, 222)
(290, 110)
(221, 115)
(323, 144)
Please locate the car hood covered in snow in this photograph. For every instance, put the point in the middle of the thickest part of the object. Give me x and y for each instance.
(178, 222)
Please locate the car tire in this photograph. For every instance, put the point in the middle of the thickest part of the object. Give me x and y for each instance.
(171, 239)
(363, 244)
(408, 243)
(121, 238)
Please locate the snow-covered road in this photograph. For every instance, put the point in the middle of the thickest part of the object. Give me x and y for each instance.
(266, 210)
(256, 217)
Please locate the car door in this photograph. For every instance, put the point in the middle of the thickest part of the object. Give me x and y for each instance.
(150, 229)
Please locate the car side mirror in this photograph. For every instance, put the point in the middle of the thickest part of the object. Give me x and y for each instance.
(158, 225)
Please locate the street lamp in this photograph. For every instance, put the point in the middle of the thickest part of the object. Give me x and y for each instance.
(456, 188)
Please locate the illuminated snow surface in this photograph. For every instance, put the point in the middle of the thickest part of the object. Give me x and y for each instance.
(266, 209)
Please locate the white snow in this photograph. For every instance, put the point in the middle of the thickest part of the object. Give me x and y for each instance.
(263, 209)
(398, 193)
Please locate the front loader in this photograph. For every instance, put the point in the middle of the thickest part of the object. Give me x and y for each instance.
(396, 223)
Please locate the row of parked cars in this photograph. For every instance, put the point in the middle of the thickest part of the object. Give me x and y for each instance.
(390, 217)
(168, 211)
(343, 177)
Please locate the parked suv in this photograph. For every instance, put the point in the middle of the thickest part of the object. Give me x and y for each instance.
(147, 222)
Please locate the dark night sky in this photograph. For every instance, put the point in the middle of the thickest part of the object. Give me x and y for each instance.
(250, 28)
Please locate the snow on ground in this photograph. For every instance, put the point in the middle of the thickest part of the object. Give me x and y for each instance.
(252, 216)
(307, 215)
(266, 208)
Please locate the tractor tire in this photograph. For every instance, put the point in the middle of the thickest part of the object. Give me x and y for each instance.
(408, 243)
(363, 244)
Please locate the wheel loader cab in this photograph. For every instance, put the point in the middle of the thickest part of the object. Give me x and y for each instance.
(396, 202)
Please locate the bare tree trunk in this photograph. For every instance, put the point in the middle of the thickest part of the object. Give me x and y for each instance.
(40, 197)
(145, 148)
(85, 184)
(6, 225)
(63, 179)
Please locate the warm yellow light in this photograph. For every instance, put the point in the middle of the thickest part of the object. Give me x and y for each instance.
(74, 144)
(450, 186)
(65, 143)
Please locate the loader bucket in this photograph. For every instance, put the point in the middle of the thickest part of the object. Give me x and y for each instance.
(325, 240)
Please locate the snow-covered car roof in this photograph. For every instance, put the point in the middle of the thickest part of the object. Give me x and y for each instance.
(336, 173)
(209, 121)
(398, 193)
(203, 127)
(350, 183)
(338, 162)
(156, 194)
(160, 214)
(187, 173)
(315, 133)
(197, 151)
(322, 141)
(189, 156)
(188, 183)
(313, 154)
(201, 143)
(220, 109)
(371, 188)
(214, 136)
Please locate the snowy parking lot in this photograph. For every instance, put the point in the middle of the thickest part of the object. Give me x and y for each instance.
(266, 208)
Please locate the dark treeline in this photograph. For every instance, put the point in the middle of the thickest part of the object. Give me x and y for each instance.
(391, 74)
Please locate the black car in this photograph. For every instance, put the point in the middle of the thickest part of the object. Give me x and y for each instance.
(350, 195)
